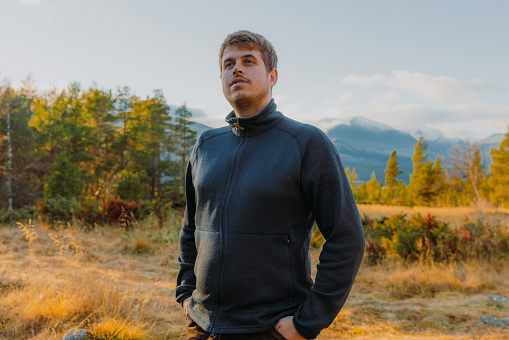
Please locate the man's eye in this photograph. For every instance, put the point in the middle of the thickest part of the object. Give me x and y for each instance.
(249, 61)
(228, 65)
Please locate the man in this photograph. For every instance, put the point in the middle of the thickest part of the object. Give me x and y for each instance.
(253, 191)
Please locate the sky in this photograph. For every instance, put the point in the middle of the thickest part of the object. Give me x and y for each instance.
(435, 64)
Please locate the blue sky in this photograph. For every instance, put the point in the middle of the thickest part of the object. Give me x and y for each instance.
(409, 64)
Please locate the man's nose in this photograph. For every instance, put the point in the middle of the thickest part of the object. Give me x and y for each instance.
(237, 69)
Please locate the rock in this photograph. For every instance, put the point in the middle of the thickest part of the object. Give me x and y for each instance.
(77, 334)
(498, 299)
(492, 321)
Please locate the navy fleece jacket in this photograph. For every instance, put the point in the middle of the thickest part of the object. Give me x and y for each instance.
(253, 192)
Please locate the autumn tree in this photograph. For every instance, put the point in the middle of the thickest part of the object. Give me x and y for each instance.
(421, 179)
(104, 164)
(19, 183)
(391, 180)
(123, 101)
(150, 139)
(437, 181)
(467, 161)
(500, 172)
(353, 179)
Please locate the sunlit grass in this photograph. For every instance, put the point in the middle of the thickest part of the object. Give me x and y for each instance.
(121, 285)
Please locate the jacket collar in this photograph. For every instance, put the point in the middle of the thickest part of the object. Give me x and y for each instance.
(256, 124)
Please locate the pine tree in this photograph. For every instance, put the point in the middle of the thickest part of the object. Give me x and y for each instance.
(361, 193)
(500, 171)
(374, 189)
(392, 171)
(183, 140)
(64, 179)
(18, 159)
(391, 181)
(421, 178)
(353, 179)
(104, 164)
(437, 181)
(150, 140)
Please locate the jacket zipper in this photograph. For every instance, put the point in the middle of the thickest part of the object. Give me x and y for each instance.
(222, 229)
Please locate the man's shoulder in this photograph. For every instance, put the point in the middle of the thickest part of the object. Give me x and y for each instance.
(301, 131)
(208, 134)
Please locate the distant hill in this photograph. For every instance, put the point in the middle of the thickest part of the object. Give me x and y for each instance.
(366, 145)
(199, 128)
(486, 144)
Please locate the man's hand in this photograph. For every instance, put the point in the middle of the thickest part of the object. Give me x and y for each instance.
(285, 327)
(185, 304)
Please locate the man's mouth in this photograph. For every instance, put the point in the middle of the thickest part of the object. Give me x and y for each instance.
(238, 80)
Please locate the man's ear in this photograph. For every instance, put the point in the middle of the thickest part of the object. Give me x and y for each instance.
(273, 77)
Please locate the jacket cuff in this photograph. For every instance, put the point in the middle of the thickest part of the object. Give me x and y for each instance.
(301, 331)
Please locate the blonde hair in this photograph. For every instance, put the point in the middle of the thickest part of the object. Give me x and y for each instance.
(251, 41)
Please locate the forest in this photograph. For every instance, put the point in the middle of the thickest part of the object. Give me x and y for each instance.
(90, 154)
(99, 155)
(466, 182)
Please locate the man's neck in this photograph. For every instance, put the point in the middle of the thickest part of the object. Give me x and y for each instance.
(252, 110)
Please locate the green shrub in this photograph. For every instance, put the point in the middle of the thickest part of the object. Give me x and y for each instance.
(425, 238)
(18, 215)
(130, 188)
(478, 240)
(60, 209)
(64, 180)
(143, 210)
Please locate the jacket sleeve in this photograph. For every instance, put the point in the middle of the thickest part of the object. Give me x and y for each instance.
(186, 280)
(328, 194)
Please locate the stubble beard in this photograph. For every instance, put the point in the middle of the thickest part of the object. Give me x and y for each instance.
(246, 103)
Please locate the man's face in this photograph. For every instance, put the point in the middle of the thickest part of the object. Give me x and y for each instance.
(245, 80)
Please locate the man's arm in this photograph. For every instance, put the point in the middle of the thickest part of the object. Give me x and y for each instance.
(330, 197)
(186, 280)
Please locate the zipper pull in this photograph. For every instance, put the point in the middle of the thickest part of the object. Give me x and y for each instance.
(212, 335)
(238, 127)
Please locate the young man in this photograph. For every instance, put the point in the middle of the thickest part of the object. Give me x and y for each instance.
(254, 190)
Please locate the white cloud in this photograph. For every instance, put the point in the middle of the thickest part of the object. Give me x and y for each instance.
(441, 88)
(424, 86)
(496, 116)
(364, 81)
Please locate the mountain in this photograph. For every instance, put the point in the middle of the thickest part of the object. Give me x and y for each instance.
(486, 144)
(366, 145)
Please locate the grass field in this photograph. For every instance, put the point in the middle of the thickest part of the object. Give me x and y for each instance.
(120, 285)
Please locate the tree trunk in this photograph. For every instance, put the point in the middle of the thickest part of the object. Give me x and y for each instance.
(9, 143)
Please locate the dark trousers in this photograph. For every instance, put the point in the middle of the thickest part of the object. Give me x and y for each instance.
(196, 333)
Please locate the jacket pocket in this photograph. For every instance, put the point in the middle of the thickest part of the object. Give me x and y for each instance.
(256, 273)
(206, 268)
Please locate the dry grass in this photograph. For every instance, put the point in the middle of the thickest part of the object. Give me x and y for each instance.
(118, 285)
(453, 215)
(122, 285)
